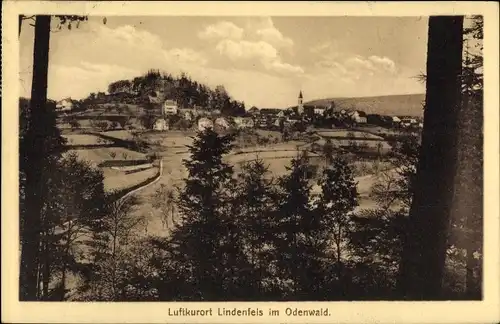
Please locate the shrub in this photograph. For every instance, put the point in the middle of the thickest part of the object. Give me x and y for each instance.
(102, 125)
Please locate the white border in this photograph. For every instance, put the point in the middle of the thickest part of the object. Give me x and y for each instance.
(347, 312)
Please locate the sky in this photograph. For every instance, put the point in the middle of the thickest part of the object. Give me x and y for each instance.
(263, 61)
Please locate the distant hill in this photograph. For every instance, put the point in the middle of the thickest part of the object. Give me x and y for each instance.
(396, 105)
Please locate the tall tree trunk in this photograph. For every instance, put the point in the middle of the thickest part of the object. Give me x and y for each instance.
(35, 155)
(424, 253)
(468, 204)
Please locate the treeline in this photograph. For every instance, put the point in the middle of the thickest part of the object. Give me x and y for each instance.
(251, 237)
(186, 92)
(71, 200)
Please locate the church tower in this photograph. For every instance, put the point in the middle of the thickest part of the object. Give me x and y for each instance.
(300, 106)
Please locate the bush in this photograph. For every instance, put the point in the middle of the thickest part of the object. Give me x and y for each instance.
(102, 125)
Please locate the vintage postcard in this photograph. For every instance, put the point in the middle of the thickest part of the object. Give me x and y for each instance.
(254, 162)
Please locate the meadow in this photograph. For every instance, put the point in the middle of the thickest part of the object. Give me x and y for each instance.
(132, 167)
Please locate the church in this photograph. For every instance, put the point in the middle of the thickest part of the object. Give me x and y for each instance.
(300, 105)
(310, 109)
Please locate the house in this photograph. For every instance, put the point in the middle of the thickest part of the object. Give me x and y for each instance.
(65, 105)
(244, 122)
(396, 119)
(204, 123)
(358, 116)
(170, 107)
(319, 110)
(408, 122)
(222, 123)
(161, 125)
(361, 117)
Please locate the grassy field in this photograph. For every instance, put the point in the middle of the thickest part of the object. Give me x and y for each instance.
(103, 154)
(85, 139)
(172, 149)
(120, 134)
(276, 156)
(84, 124)
(171, 139)
(117, 180)
(398, 105)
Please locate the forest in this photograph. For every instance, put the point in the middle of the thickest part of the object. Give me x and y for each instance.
(160, 85)
(250, 236)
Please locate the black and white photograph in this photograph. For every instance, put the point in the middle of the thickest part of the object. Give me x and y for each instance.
(250, 158)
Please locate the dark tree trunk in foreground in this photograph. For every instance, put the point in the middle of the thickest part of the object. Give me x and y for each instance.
(35, 157)
(468, 199)
(424, 253)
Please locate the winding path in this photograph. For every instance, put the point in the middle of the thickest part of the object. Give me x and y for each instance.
(122, 199)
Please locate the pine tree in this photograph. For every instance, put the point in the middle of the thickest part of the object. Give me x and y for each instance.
(204, 248)
(295, 226)
(336, 203)
(256, 210)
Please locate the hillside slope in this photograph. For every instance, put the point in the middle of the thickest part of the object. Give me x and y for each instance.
(397, 105)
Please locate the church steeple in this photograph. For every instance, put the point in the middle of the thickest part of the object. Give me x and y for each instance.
(300, 106)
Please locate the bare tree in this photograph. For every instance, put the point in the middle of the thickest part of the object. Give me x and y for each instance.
(164, 201)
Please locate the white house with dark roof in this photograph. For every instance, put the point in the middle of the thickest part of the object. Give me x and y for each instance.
(65, 105)
(170, 107)
(358, 116)
(319, 110)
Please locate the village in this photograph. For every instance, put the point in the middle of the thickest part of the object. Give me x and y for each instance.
(168, 111)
